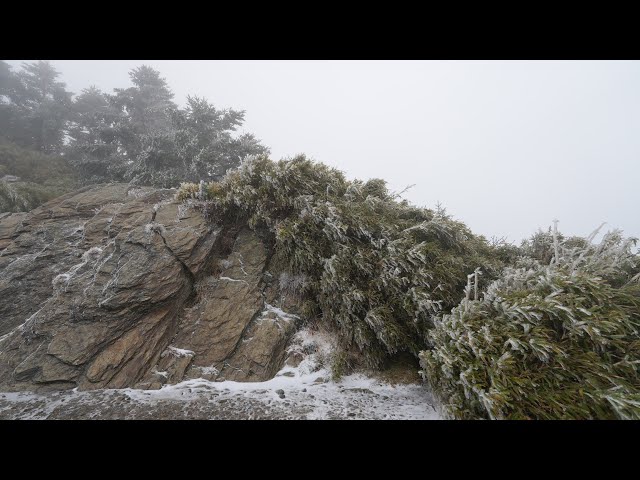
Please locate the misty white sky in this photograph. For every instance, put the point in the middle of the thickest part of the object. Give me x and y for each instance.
(505, 146)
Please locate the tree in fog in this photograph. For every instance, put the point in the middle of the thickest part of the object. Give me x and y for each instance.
(9, 89)
(204, 141)
(35, 106)
(144, 129)
(93, 144)
(135, 134)
(154, 142)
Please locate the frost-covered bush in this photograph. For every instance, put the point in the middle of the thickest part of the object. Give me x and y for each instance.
(292, 284)
(375, 267)
(40, 178)
(546, 341)
(24, 196)
(188, 191)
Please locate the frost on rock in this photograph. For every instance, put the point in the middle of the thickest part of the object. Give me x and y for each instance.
(61, 282)
(162, 374)
(159, 205)
(211, 370)
(182, 212)
(278, 312)
(225, 263)
(137, 192)
(307, 394)
(155, 228)
(229, 279)
(180, 352)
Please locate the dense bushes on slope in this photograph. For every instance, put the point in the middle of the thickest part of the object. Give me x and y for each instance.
(23, 196)
(546, 341)
(377, 268)
(41, 178)
(554, 335)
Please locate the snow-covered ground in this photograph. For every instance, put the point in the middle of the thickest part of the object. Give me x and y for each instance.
(301, 392)
(356, 397)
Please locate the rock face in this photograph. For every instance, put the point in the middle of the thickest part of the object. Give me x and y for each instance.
(114, 286)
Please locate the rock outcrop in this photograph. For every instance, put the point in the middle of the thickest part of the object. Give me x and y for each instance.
(114, 286)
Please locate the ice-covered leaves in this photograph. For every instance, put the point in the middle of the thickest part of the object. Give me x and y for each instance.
(377, 268)
(546, 341)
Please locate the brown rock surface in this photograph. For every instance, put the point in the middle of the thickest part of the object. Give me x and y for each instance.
(116, 286)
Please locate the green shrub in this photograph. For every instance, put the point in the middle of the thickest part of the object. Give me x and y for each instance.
(24, 196)
(546, 341)
(377, 268)
(188, 191)
(42, 177)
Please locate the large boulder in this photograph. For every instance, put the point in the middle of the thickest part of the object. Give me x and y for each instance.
(115, 286)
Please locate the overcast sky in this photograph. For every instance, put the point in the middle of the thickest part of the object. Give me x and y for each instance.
(505, 146)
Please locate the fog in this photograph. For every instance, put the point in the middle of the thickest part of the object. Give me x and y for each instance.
(505, 146)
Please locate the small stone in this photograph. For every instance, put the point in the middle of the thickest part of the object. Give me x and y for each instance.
(280, 392)
(359, 390)
(319, 380)
(294, 359)
(304, 389)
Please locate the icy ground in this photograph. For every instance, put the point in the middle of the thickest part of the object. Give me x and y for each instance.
(301, 392)
(356, 397)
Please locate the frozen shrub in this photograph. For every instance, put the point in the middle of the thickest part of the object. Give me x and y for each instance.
(188, 191)
(546, 341)
(40, 177)
(375, 267)
(292, 284)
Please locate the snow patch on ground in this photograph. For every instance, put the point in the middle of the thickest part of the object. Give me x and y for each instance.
(308, 388)
(355, 396)
(308, 394)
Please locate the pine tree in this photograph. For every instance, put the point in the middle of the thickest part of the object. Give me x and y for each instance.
(162, 145)
(136, 134)
(204, 140)
(9, 88)
(43, 106)
(147, 109)
(93, 144)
